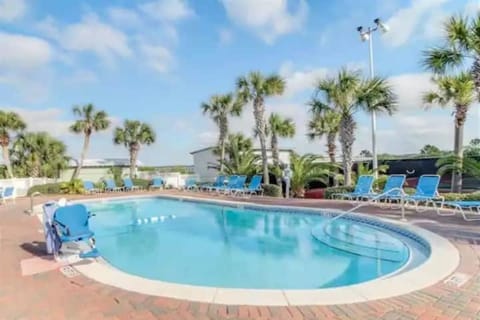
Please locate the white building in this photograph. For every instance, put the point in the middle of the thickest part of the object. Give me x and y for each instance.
(96, 169)
(205, 162)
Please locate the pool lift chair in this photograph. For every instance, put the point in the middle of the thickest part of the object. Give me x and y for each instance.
(67, 231)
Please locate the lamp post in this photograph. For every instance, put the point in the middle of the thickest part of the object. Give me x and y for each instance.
(367, 35)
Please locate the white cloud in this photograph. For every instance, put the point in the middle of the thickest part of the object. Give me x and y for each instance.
(124, 17)
(12, 9)
(167, 10)
(49, 120)
(269, 19)
(82, 76)
(157, 57)
(410, 88)
(300, 81)
(433, 28)
(225, 36)
(406, 20)
(89, 35)
(472, 7)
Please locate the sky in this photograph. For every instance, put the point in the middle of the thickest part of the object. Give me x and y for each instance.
(158, 60)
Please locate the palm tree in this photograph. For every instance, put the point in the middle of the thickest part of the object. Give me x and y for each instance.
(305, 169)
(461, 46)
(39, 154)
(460, 91)
(9, 121)
(347, 93)
(219, 108)
(90, 121)
(133, 135)
(430, 150)
(279, 127)
(255, 88)
(325, 122)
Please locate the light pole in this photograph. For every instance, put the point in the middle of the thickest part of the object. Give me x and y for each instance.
(367, 35)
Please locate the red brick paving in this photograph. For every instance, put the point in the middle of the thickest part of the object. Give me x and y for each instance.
(52, 296)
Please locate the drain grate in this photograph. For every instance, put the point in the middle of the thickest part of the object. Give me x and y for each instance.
(457, 279)
(69, 271)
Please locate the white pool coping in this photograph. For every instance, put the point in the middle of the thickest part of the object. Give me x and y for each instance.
(443, 261)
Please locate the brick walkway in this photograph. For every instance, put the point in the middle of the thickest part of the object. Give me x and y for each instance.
(51, 295)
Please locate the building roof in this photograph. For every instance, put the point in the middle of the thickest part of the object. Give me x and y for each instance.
(108, 162)
(255, 149)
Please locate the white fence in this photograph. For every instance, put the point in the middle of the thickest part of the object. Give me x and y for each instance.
(172, 179)
(23, 184)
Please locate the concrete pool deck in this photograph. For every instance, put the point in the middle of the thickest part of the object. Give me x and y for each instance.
(52, 295)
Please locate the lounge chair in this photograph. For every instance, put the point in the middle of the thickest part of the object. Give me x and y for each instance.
(254, 187)
(426, 192)
(89, 187)
(129, 186)
(7, 193)
(472, 208)
(219, 182)
(363, 189)
(157, 183)
(71, 225)
(111, 186)
(238, 185)
(232, 180)
(190, 184)
(393, 188)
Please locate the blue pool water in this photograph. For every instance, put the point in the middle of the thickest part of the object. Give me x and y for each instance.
(211, 245)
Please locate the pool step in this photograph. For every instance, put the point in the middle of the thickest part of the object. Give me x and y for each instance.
(361, 239)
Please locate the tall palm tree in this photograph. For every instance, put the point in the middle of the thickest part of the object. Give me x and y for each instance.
(460, 92)
(9, 121)
(347, 93)
(90, 121)
(220, 107)
(279, 127)
(133, 135)
(325, 122)
(461, 46)
(255, 88)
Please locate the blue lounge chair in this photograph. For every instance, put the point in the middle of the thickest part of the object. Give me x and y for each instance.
(219, 182)
(129, 186)
(190, 184)
(71, 225)
(363, 189)
(89, 187)
(7, 193)
(393, 188)
(254, 187)
(111, 186)
(157, 183)
(472, 208)
(239, 184)
(232, 180)
(426, 192)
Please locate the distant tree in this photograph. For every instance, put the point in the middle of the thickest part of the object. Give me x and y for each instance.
(366, 154)
(255, 88)
(133, 135)
(430, 150)
(473, 149)
(90, 121)
(9, 122)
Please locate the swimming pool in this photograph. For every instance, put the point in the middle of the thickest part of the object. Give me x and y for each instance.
(231, 246)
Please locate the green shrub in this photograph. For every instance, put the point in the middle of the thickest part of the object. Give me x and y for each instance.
(379, 184)
(409, 191)
(49, 188)
(72, 187)
(272, 190)
(329, 192)
(143, 183)
(474, 196)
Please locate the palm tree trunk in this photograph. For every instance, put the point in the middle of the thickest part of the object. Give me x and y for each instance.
(221, 142)
(133, 159)
(86, 143)
(347, 138)
(259, 115)
(331, 147)
(460, 118)
(275, 155)
(6, 160)
(476, 72)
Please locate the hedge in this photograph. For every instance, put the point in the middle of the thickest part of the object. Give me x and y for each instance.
(474, 196)
(272, 190)
(329, 192)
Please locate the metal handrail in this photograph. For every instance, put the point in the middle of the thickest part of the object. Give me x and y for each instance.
(35, 194)
(363, 204)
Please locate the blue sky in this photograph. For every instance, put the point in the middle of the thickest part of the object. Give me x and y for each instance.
(157, 60)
